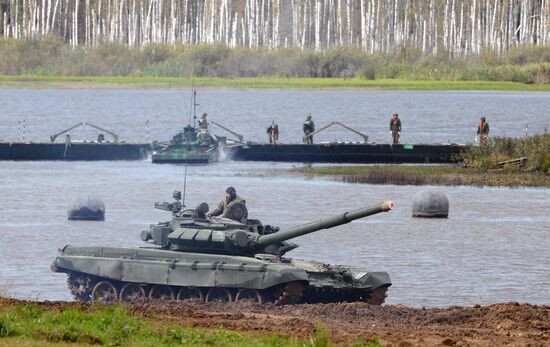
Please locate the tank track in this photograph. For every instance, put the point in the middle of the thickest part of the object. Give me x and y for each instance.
(82, 288)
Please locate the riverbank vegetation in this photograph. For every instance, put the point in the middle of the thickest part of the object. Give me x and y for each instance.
(52, 60)
(528, 165)
(29, 324)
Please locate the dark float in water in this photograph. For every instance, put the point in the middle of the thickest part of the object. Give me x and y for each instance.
(87, 209)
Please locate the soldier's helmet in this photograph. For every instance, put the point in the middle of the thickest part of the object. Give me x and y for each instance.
(232, 192)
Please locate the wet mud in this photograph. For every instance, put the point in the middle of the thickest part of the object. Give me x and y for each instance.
(502, 324)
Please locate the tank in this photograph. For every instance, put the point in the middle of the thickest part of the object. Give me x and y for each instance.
(191, 145)
(227, 258)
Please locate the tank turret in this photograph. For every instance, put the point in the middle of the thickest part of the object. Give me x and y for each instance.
(191, 231)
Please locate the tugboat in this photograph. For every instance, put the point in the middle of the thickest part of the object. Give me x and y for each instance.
(191, 145)
(194, 145)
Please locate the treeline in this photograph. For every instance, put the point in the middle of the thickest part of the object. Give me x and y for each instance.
(52, 56)
(454, 27)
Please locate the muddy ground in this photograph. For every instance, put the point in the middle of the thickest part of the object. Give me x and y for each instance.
(510, 324)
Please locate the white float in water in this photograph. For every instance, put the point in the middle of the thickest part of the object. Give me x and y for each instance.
(431, 204)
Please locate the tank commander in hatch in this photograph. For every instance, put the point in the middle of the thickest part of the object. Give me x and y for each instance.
(203, 123)
(229, 200)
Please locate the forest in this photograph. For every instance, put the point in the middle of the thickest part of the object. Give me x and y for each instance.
(457, 27)
(452, 40)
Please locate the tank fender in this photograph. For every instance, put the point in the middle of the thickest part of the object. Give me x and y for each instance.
(184, 272)
(376, 279)
(177, 268)
(237, 275)
(275, 277)
(109, 268)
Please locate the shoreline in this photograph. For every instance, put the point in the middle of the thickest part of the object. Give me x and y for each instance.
(129, 82)
(154, 322)
(440, 175)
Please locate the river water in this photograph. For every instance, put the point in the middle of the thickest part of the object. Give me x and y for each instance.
(427, 117)
(492, 248)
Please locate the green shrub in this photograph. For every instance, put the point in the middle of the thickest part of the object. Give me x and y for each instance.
(51, 56)
(5, 328)
(528, 54)
(535, 148)
(367, 73)
(538, 73)
(321, 337)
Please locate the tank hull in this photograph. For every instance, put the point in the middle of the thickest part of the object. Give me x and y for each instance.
(151, 271)
(182, 157)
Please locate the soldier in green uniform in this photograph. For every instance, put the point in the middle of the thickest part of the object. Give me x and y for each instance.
(273, 132)
(395, 128)
(229, 200)
(483, 131)
(309, 127)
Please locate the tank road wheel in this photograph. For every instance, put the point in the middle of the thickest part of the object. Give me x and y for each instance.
(377, 296)
(250, 295)
(187, 293)
(131, 292)
(161, 292)
(105, 293)
(288, 293)
(219, 294)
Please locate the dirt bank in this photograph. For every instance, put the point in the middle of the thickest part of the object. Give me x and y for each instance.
(496, 325)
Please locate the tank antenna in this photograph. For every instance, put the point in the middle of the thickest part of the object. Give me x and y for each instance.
(184, 183)
(192, 102)
(192, 109)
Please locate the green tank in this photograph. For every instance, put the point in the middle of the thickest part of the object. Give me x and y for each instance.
(227, 258)
(192, 145)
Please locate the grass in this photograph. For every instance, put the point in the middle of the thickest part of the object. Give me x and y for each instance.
(146, 82)
(30, 324)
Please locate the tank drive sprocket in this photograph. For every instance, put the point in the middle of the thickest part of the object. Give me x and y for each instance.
(288, 293)
(80, 285)
(377, 296)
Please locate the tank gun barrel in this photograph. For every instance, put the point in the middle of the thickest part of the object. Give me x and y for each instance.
(324, 223)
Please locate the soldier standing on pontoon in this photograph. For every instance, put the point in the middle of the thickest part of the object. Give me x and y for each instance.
(309, 128)
(273, 132)
(395, 128)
